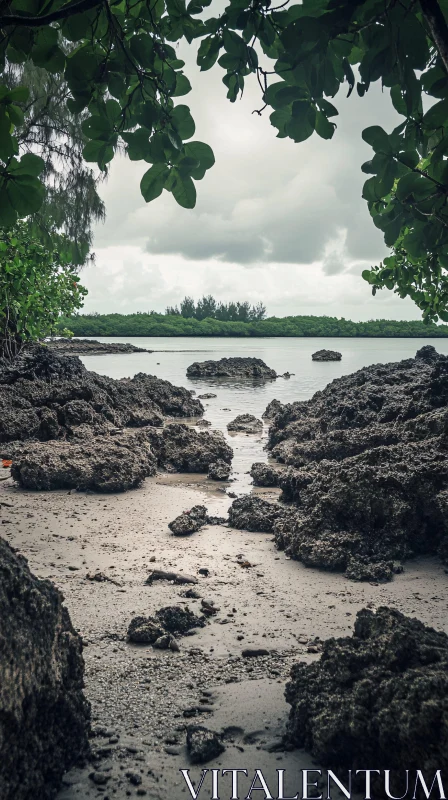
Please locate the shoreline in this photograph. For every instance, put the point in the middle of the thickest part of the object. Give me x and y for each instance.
(138, 694)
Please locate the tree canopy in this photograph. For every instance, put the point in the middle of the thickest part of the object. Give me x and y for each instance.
(209, 308)
(118, 61)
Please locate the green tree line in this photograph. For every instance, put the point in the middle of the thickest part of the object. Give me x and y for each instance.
(154, 324)
(209, 308)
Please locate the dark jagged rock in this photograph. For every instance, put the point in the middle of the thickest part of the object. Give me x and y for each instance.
(252, 513)
(102, 464)
(44, 717)
(203, 744)
(144, 630)
(206, 396)
(45, 395)
(237, 367)
(245, 423)
(89, 347)
(175, 619)
(184, 449)
(378, 697)
(326, 355)
(272, 408)
(264, 474)
(219, 470)
(189, 521)
(368, 474)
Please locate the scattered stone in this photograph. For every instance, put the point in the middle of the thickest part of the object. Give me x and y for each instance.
(191, 594)
(44, 716)
(175, 619)
(209, 608)
(203, 744)
(207, 396)
(204, 571)
(236, 367)
(189, 521)
(382, 694)
(219, 471)
(134, 778)
(254, 652)
(163, 642)
(144, 630)
(99, 778)
(203, 423)
(180, 447)
(264, 474)
(245, 423)
(326, 355)
(176, 577)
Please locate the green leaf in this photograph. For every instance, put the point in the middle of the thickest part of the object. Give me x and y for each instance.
(142, 48)
(183, 85)
(437, 116)
(153, 182)
(324, 128)
(183, 190)
(377, 138)
(208, 52)
(15, 115)
(202, 152)
(6, 141)
(18, 95)
(234, 44)
(303, 120)
(97, 127)
(25, 194)
(183, 122)
(29, 164)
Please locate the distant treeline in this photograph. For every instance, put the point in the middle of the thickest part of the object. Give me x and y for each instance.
(209, 308)
(152, 324)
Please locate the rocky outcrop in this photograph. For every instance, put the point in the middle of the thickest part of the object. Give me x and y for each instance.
(252, 513)
(219, 471)
(45, 396)
(101, 464)
(90, 347)
(165, 623)
(44, 717)
(379, 697)
(237, 367)
(246, 423)
(326, 355)
(181, 448)
(368, 477)
(264, 474)
(189, 521)
(272, 408)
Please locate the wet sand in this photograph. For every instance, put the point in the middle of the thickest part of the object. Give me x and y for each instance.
(141, 697)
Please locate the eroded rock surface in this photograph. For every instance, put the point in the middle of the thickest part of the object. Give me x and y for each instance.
(219, 470)
(367, 475)
(246, 423)
(180, 447)
(264, 474)
(252, 513)
(237, 367)
(189, 521)
(203, 744)
(326, 355)
(44, 717)
(86, 347)
(101, 464)
(46, 396)
(377, 697)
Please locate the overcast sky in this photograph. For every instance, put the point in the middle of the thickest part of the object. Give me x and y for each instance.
(275, 221)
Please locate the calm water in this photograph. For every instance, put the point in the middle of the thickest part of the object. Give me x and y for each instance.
(172, 356)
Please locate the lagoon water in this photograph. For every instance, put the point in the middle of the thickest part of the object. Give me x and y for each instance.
(172, 356)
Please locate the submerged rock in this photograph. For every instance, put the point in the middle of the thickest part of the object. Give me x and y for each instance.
(264, 474)
(45, 396)
(368, 469)
(203, 744)
(219, 471)
(378, 697)
(44, 716)
(86, 347)
(246, 423)
(189, 521)
(326, 355)
(182, 448)
(101, 464)
(237, 367)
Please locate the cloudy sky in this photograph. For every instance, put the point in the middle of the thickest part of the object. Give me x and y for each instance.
(275, 221)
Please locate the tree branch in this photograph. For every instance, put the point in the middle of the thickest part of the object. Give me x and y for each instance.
(53, 16)
(436, 22)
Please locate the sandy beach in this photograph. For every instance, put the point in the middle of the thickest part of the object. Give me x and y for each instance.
(142, 698)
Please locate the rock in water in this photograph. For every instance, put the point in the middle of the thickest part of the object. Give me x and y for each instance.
(264, 475)
(102, 464)
(202, 744)
(44, 716)
(219, 471)
(189, 521)
(179, 447)
(272, 408)
(246, 423)
(378, 697)
(237, 367)
(82, 347)
(326, 355)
